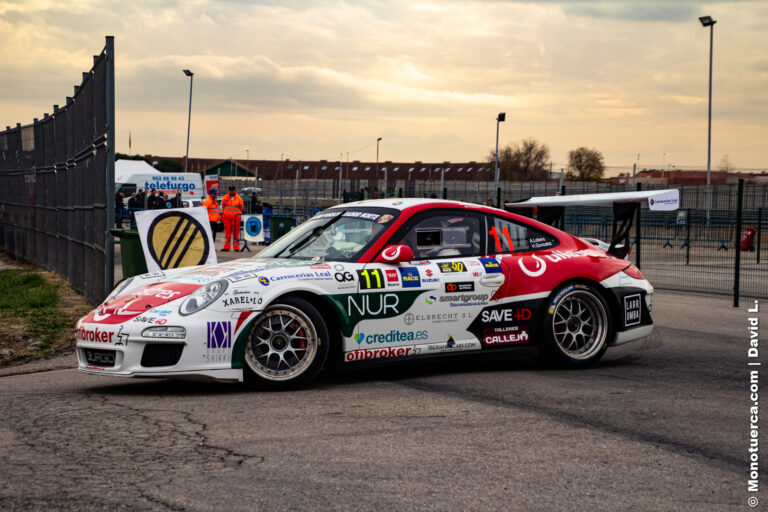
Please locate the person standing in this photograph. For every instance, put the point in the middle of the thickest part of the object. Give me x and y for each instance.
(154, 202)
(119, 206)
(214, 214)
(141, 199)
(132, 207)
(232, 208)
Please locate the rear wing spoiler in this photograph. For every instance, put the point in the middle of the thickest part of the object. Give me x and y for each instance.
(550, 210)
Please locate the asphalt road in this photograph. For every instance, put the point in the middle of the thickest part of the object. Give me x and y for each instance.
(660, 424)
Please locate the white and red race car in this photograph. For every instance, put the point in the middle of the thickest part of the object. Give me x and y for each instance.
(368, 282)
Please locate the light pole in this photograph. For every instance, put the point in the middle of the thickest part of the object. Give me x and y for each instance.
(499, 119)
(707, 21)
(377, 167)
(189, 116)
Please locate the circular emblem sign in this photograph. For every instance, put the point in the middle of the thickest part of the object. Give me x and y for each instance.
(253, 226)
(175, 240)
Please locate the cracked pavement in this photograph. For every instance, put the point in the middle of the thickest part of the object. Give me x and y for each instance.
(657, 425)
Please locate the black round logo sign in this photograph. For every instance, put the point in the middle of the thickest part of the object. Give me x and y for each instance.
(176, 239)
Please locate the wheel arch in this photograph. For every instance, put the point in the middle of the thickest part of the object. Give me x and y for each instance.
(330, 316)
(609, 298)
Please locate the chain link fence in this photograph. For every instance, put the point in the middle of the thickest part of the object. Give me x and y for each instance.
(57, 182)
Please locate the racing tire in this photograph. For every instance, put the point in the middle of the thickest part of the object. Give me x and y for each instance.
(576, 327)
(286, 347)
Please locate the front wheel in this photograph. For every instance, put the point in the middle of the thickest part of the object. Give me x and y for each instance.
(287, 345)
(576, 327)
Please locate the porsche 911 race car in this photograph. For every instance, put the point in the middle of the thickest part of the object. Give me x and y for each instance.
(373, 281)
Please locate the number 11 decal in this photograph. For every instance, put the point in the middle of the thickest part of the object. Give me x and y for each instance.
(507, 238)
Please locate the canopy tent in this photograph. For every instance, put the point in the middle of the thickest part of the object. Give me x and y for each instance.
(127, 167)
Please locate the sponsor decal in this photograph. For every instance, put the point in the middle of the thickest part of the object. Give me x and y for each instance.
(122, 338)
(321, 266)
(491, 265)
(161, 312)
(450, 345)
(435, 318)
(242, 300)
(429, 272)
(395, 336)
(409, 318)
(316, 275)
(397, 203)
(540, 267)
(452, 266)
(144, 319)
(371, 279)
(94, 335)
(385, 218)
(343, 277)
(339, 267)
(392, 252)
(410, 277)
(392, 276)
(377, 353)
(505, 315)
(137, 302)
(356, 307)
(423, 262)
(508, 335)
(209, 271)
(465, 299)
(430, 300)
(153, 275)
(467, 286)
(632, 309)
(219, 335)
(242, 276)
(264, 281)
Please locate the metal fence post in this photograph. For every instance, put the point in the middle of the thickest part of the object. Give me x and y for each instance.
(688, 238)
(737, 243)
(759, 231)
(109, 275)
(637, 230)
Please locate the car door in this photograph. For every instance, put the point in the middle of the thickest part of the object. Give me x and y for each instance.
(517, 249)
(439, 293)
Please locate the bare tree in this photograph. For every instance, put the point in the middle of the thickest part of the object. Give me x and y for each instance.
(526, 161)
(585, 164)
(725, 164)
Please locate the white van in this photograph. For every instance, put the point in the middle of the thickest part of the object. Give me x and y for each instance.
(188, 184)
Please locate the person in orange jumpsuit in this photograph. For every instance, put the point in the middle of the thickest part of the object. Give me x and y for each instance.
(232, 208)
(214, 214)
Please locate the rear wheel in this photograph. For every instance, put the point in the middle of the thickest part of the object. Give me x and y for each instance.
(576, 327)
(287, 345)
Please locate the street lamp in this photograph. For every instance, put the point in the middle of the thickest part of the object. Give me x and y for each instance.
(189, 117)
(499, 119)
(707, 21)
(377, 167)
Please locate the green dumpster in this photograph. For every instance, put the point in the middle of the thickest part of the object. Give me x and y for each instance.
(131, 253)
(278, 226)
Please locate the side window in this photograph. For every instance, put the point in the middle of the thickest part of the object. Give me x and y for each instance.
(508, 236)
(442, 236)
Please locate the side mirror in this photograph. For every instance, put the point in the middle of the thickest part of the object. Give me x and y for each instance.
(395, 254)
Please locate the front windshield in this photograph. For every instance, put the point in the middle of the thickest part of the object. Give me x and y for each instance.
(334, 235)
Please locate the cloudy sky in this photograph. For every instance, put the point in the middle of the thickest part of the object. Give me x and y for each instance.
(313, 80)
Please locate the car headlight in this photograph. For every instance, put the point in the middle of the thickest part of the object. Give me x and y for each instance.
(202, 297)
(122, 285)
